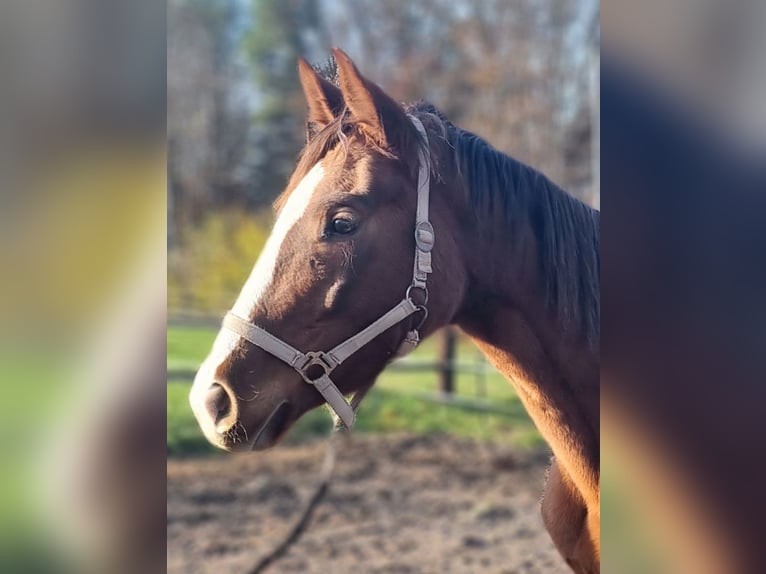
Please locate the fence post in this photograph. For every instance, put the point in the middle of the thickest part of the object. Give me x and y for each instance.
(447, 361)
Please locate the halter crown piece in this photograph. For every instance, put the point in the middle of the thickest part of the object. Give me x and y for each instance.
(323, 363)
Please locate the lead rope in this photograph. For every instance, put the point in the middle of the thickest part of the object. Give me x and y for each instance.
(339, 432)
(325, 476)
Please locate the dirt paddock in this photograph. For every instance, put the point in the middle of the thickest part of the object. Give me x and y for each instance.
(397, 504)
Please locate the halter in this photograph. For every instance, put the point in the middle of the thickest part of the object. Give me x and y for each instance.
(321, 363)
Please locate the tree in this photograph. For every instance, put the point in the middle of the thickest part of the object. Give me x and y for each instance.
(281, 33)
(208, 110)
(508, 71)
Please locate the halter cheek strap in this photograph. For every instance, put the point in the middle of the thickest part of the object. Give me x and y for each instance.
(315, 366)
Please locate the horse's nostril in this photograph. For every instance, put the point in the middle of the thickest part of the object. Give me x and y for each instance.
(217, 402)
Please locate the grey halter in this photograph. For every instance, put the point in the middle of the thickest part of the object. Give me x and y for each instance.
(328, 361)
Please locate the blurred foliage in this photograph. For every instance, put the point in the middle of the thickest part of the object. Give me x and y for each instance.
(63, 249)
(217, 257)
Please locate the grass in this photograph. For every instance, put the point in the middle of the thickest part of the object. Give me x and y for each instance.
(31, 394)
(396, 403)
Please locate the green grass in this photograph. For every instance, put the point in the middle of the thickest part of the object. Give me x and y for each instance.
(396, 403)
(189, 343)
(33, 389)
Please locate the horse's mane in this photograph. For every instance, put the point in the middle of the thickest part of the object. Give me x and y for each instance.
(567, 230)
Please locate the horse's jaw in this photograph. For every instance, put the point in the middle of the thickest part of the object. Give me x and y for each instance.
(273, 428)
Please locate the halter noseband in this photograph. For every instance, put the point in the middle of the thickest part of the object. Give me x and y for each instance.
(323, 363)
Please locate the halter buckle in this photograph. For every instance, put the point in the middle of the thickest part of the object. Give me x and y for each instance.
(319, 359)
(425, 236)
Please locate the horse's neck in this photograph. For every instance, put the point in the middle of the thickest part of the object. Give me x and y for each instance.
(557, 379)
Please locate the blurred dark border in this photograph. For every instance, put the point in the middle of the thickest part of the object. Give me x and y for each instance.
(684, 320)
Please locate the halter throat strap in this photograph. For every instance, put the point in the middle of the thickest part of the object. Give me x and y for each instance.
(315, 366)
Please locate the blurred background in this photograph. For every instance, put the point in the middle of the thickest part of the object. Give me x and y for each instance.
(524, 75)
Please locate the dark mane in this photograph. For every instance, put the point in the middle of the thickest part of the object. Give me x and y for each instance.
(567, 230)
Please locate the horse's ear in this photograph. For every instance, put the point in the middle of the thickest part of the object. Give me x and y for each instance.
(377, 113)
(325, 102)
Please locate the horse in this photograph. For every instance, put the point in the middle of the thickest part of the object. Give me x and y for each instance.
(499, 250)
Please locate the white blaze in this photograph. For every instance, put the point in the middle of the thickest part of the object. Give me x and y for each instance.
(256, 285)
(263, 272)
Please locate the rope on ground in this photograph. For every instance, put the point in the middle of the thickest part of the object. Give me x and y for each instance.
(328, 467)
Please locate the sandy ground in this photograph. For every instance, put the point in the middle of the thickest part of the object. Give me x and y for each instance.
(398, 504)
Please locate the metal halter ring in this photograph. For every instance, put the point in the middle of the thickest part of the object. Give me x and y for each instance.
(319, 359)
(425, 293)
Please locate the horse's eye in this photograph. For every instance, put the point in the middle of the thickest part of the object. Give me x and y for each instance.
(343, 226)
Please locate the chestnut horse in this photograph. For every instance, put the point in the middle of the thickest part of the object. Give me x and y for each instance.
(515, 264)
